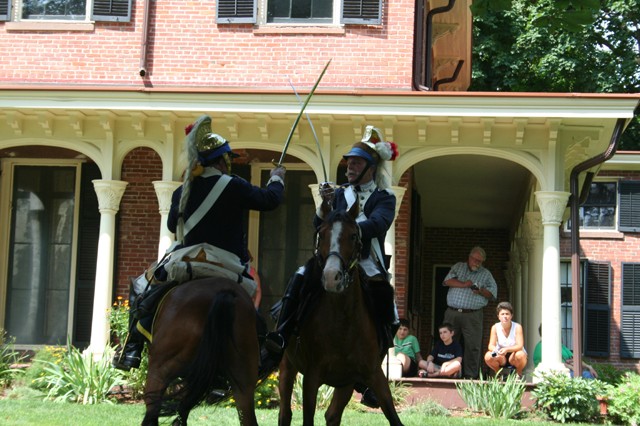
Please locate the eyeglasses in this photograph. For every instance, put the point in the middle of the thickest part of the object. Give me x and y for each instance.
(476, 259)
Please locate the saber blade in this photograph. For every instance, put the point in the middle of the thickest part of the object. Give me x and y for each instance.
(313, 130)
(297, 120)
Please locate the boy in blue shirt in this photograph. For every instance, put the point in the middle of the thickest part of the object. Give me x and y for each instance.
(445, 360)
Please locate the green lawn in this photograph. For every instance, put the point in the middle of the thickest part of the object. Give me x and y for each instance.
(37, 412)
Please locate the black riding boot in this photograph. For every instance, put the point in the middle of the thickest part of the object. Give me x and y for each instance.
(276, 341)
(130, 355)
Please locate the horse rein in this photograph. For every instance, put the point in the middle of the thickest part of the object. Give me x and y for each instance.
(347, 267)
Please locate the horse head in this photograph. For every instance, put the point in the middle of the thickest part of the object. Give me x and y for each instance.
(338, 248)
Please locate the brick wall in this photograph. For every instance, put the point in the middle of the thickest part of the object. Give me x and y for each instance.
(138, 218)
(402, 226)
(187, 48)
(446, 246)
(616, 249)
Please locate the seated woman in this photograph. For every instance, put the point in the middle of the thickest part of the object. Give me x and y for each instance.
(407, 350)
(506, 344)
(445, 360)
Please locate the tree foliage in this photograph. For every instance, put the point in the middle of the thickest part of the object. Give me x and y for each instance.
(588, 46)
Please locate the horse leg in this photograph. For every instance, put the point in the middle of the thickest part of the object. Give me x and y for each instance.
(310, 386)
(380, 386)
(285, 388)
(153, 391)
(341, 397)
(243, 376)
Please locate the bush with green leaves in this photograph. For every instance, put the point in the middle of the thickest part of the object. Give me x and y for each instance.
(566, 399)
(8, 358)
(42, 358)
(118, 317)
(80, 378)
(325, 393)
(624, 400)
(608, 373)
(494, 397)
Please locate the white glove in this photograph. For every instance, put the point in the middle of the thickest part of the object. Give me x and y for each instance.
(327, 192)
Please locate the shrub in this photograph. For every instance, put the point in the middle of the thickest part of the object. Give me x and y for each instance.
(567, 399)
(608, 373)
(427, 408)
(324, 394)
(266, 395)
(624, 400)
(42, 358)
(8, 358)
(494, 397)
(118, 317)
(78, 378)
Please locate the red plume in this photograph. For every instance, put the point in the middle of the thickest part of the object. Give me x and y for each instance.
(188, 129)
(394, 150)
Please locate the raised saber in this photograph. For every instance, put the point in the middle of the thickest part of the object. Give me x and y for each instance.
(313, 130)
(295, 123)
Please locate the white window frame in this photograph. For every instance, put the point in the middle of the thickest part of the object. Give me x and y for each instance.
(335, 19)
(613, 228)
(7, 166)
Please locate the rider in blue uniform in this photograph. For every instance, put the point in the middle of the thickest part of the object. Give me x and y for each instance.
(222, 225)
(369, 187)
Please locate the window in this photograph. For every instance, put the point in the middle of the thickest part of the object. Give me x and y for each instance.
(599, 211)
(328, 12)
(630, 312)
(67, 10)
(300, 11)
(595, 283)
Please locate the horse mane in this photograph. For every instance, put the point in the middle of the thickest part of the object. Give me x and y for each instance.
(339, 216)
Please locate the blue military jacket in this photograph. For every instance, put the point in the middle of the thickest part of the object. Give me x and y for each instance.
(224, 224)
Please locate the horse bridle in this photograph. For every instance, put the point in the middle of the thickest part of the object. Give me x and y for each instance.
(347, 267)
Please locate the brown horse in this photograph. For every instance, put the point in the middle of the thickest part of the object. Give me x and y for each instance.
(204, 332)
(337, 343)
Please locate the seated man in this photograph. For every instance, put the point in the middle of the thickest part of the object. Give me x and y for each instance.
(445, 360)
(407, 350)
(588, 372)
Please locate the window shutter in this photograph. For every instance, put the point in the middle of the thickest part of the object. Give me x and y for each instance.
(629, 212)
(111, 10)
(5, 10)
(597, 311)
(630, 312)
(236, 11)
(364, 12)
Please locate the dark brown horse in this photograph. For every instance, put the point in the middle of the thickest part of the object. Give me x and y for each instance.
(337, 343)
(204, 331)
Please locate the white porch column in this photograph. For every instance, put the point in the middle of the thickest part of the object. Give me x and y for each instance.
(534, 234)
(552, 206)
(164, 191)
(109, 195)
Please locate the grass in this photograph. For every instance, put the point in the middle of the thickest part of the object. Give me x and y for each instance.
(47, 413)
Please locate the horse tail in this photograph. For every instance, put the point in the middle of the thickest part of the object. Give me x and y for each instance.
(205, 368)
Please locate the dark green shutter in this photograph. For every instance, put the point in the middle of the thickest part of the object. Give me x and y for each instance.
(111, 10)
(597, 313)
(236, 11)
(88, 234)
(5, 10)
(630, 312)
(364, 12)
(629, 211)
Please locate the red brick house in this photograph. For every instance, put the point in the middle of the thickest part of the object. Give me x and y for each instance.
(94, 97)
